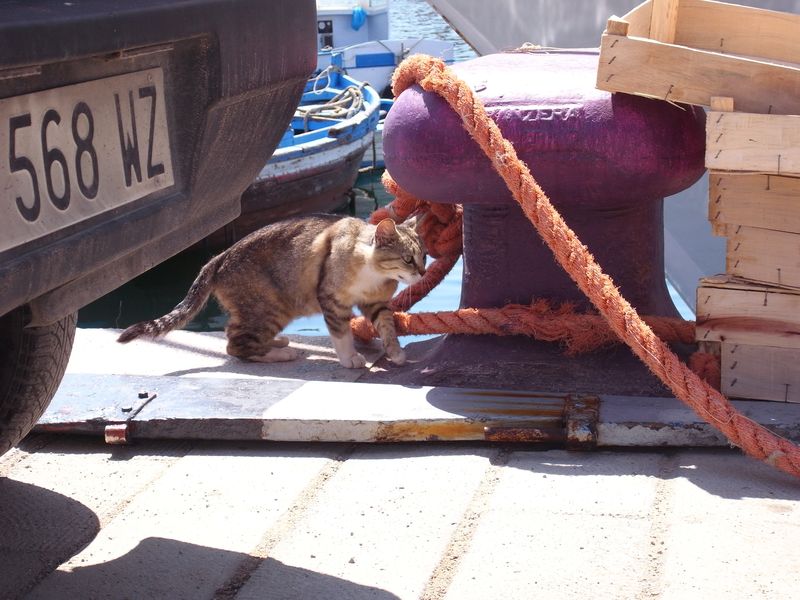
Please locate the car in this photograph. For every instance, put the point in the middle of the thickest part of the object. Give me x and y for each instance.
(128, 131)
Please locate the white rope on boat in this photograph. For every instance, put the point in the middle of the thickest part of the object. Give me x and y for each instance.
(345, 104)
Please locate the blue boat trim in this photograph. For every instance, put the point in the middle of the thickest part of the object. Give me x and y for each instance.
(305, 137)
(382, 59)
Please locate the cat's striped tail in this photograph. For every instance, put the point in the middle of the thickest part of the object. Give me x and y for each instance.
(195, 300)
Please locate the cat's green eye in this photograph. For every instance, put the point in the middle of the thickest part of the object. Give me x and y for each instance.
(408, 259)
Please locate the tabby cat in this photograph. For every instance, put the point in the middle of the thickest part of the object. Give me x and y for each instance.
(300, 267)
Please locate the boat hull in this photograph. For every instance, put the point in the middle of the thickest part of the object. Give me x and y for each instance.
(317, 163)
(316, 183)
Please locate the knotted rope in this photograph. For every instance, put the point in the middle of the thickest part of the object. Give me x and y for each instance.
(755, 440)
(440, 230)
(579, 333)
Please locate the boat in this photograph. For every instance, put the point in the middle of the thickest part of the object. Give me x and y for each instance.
(336, 130)
(342, 23)
(318, 158)
(355, 37)
(374, 62)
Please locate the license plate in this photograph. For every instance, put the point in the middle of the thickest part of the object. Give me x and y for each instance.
(70, 153)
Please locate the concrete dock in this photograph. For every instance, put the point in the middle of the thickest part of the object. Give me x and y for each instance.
(193, 518)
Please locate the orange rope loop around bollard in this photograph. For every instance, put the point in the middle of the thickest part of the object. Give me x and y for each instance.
(755, 440)
(440, 229)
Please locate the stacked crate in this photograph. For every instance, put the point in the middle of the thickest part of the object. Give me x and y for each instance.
(741, 63)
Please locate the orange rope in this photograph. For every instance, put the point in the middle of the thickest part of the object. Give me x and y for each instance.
(579, 332)
(433, 76)
(440, 229)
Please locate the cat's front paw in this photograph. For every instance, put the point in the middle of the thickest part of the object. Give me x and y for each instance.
(398, 357)
(284, 354)
(354, 361)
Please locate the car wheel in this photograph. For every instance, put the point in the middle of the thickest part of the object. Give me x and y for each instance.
(32, 363)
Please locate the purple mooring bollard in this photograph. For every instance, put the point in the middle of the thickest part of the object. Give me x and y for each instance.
(606, 162)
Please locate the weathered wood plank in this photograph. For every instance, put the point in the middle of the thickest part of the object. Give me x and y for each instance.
(741, 141)
(681, 74)
(760, 372)
(744, 313)
(664, 20)
(764, 255)
(755, 200)
(736, 29)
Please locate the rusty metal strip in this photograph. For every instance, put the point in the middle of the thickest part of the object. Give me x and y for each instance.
(581, 416)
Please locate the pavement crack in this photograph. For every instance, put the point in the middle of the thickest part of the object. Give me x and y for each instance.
(457, 547)
(660, 518)
(302, 504)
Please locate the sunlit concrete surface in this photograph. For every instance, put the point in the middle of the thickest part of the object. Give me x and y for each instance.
(192, 518)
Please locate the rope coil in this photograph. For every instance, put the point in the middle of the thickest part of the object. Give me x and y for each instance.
(343, 105)
(434, 76)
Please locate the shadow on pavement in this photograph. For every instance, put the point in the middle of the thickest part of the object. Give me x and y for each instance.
(163, 568)
(39, 530)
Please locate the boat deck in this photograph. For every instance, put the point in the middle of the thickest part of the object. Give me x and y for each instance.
(237, 518)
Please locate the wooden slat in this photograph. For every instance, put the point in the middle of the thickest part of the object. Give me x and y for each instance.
(664, 20)
(760, 372)
(765, 201)
(736, 29)
(738, 312)
(639, 19)
(722, 103)
(640, 66)
(764, 255)
(616, 26)
(753, 142)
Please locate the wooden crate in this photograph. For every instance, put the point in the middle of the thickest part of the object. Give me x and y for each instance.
(760, 372)
(763, 255)
(742, 63)
(757, 329)
(692, 50)
(741, 312)
(764, 201)
(759, 246)
(737, 141)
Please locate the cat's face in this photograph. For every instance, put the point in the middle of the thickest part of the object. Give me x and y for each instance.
(398, 251)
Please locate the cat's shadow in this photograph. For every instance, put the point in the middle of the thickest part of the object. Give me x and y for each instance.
(318, 361)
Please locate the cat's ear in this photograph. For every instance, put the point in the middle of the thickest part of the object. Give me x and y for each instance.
(385, 232)
(414, 222)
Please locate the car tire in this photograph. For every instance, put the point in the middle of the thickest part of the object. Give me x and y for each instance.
(32, 363)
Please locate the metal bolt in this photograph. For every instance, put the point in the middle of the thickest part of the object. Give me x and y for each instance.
(116, 434)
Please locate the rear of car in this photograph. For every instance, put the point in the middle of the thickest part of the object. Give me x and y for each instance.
(128, 131)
